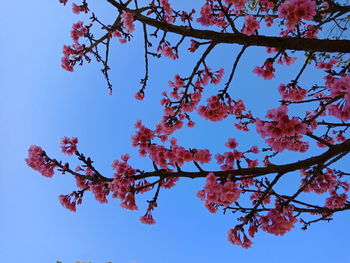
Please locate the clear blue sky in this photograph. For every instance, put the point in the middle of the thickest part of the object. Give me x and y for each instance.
(40, 103)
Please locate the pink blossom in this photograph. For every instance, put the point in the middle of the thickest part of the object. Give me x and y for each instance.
(78, 31)
(100, 192)
(327, 65)
(128, 20)
(239, 4)
(168, 51)
(69, 145)
(336, 201)
(296, 10)
(322, 183)
(215, 110)
(202, 156)
(194, 45)
(235, 238)
(311, 31)
(66, 202)
(215, 193)
(147, 219)
(129, 202)
(139, 95)
(81, 182)
(206, 18)
(283, 132)
(268, 20)
(340, 86)
(285, 59)
(250, 25)
(266, 71)
(167, 11)
(266, 5)
(278, 221)
(292, 92)
(77, 9)
(39, 162)
(254, 197)
(231, 143)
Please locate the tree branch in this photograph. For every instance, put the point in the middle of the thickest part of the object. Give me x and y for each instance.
(304, 44)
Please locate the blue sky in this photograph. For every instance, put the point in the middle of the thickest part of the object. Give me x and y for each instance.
(42, 103)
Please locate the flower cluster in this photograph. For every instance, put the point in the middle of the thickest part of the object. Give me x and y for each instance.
(250, 25)
(148, 218)
(77, 9)
(69, 145)
(215, 110)
(283, 133)
(234, 237)
(39, 162)
(208, 16)
(292, 92)
(214, 77)
(336, 201)
(176, 156)
(326, 65)
(238, 4)
(128, 20)
(266, 71)
(100, 191)
(279, 220)
(215, 194)
(168, 11)
(73, 52)
(324, 181)
(167, 51)
(340, 86)
(70, 201)
(296, 10)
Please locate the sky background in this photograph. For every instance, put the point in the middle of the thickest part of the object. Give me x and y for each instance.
(41, 103)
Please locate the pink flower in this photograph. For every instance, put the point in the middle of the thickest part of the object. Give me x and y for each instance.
(69, 145)
(266, 71)
(292, 92)
(231, 143)
(168, 51)
(202, 156)
(215, 193)
(278, 221)
(139, 95)
(128, 20)
(327, 65)
(206, 18)
(322, 183)
(283, 132)
(336, 201)
(147, 219)
(239, 4)
(167, 11)
(78, 31)
(129, 202)
(77, 9)
(39, 162)
(268, 20)
(250, 25)
(66, 202)
(100, 192)
(296, 10)
(234, 237)
(215, 110)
